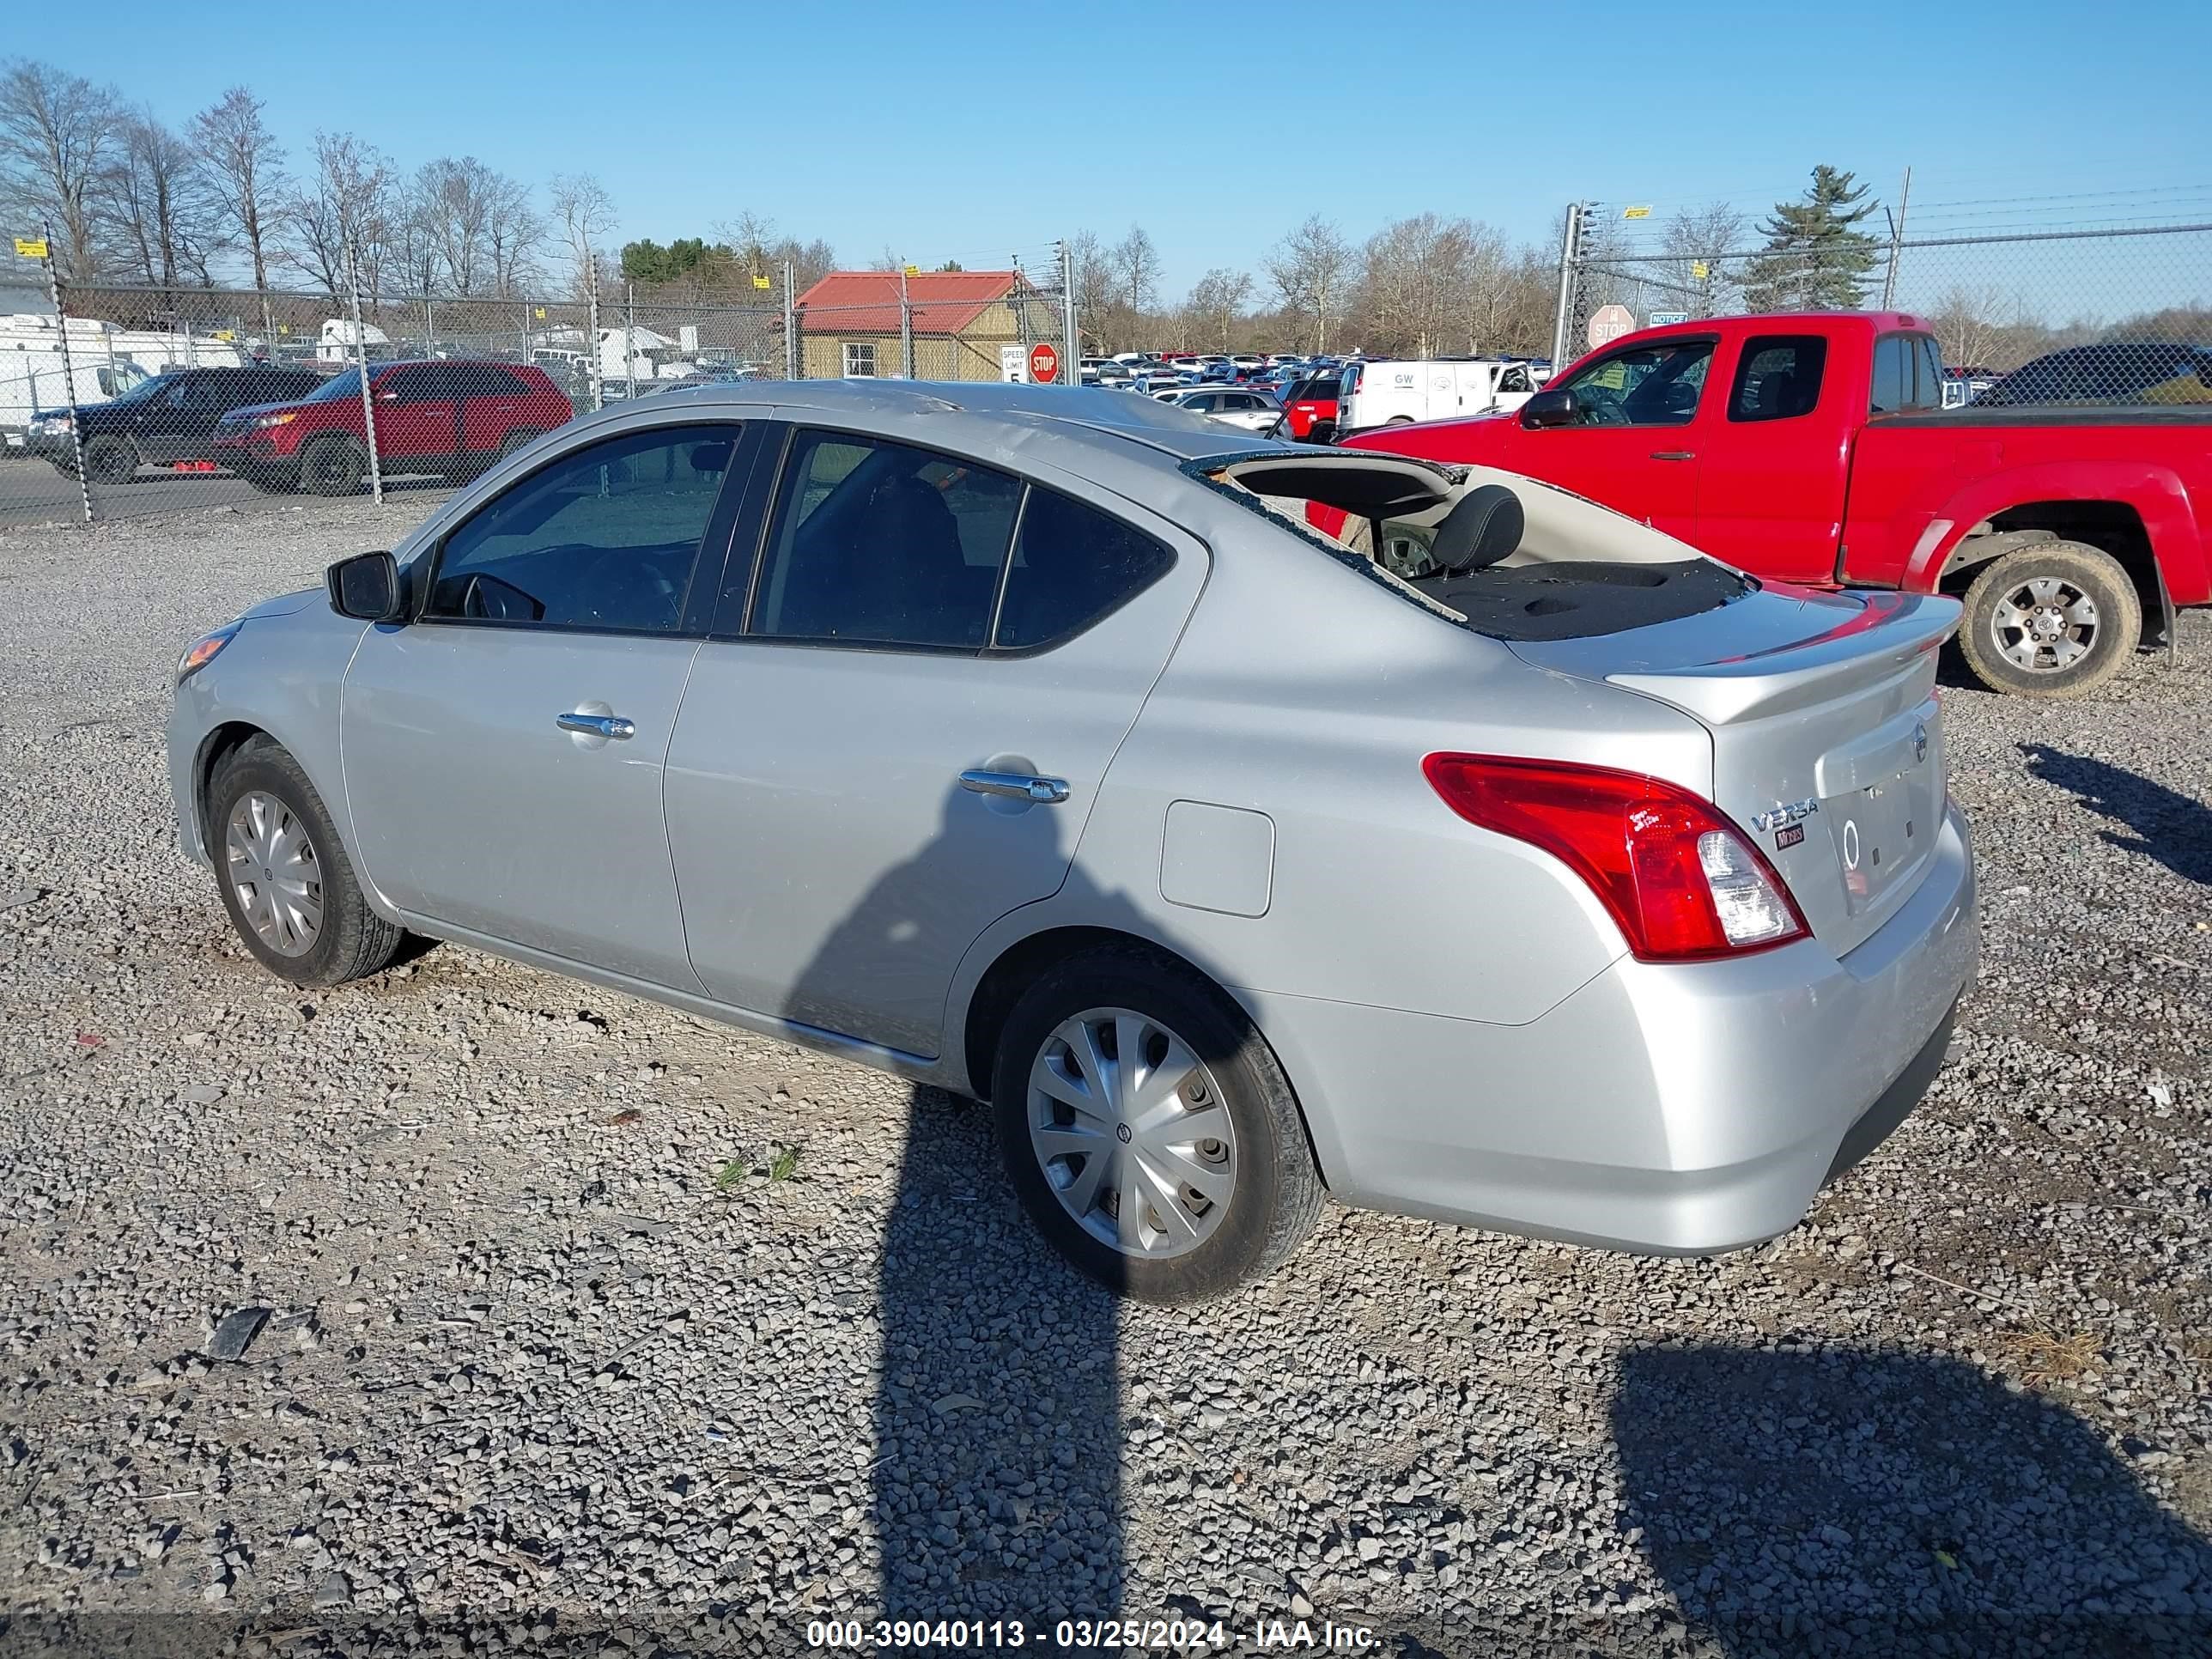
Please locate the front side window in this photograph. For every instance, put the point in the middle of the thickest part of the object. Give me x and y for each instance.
(1072, 564)
(878, 543)
(605, 538)
(1778, 377)
(1514, 379)
(421, 383)
(860, 359)
(1644, 385)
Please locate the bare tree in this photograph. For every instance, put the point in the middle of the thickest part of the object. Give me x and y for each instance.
(586, 215)
(245, 172)
(1135, 264)
(1414, 279)
(342, 212)
(457, 202)
(1087, 256)
(513, 233)
(156, 206)
(1310, 268)
(762, 251)
(59, 135)
(1697, 276)
(1971, 325)
(1216, 301)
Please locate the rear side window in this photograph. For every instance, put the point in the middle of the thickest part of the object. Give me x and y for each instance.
(1928, 391)
(1778, 377)
(1072, 565)
(1892, 376)
(485, 380)
(883, 543)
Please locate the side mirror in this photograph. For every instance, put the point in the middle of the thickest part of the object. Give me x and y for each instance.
(1549, 408)
(365, 587)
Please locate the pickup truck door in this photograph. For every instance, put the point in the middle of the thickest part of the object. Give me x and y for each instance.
(1643, 414)
(1773, 468)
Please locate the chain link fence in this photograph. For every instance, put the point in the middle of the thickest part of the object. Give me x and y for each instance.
(135, 400)
(2100, 315)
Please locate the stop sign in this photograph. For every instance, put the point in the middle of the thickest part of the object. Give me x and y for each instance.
(1609, 323)
(1044, 364)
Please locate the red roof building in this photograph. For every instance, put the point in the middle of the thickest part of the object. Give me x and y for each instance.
(961, 322)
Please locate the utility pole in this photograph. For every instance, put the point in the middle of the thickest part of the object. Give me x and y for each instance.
(906, 328)
(1896, 242)
(790, 329)
(361, 366)
(68, 369)
(629, 340)
(1570, 247)
(1071, 356)
(592, 342)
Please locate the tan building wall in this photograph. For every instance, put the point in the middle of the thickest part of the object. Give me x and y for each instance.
(971, 355)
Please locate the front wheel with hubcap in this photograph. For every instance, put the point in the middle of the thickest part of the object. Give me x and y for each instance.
(110, 460)
(1149, 1130)
(2054, 619)
(285, 878)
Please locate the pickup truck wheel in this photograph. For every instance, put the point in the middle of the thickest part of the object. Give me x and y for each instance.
(1148, 1129)
(2056, 619)
(109, 460)
(286, 881)
(333, 466)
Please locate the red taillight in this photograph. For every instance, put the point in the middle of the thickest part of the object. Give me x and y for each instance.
(1682, 882)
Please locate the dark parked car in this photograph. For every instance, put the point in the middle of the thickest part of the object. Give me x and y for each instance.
(2129, 371)
(161, 421)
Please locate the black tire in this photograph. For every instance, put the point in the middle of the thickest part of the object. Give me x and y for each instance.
(2077, 581)
(110, 460)
(353, 940)
(333, 466)
(1277, 1195)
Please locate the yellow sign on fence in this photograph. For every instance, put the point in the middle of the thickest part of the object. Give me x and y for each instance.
(762, 281)
(226, 334)
(30, 247)
(1636, 213)
(541, 314)
(1700, 270)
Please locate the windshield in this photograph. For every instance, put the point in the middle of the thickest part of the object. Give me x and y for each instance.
(347, 385)
(145, 389)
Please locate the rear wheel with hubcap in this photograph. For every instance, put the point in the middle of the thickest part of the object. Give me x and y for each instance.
(2054, 619)
(1149, 1130)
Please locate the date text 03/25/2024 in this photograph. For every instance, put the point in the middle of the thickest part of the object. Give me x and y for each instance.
(1113, 1635)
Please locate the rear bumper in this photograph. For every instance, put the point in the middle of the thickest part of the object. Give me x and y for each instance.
(1666, 1109)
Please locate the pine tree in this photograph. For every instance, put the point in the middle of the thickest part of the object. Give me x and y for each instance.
(1816, 257)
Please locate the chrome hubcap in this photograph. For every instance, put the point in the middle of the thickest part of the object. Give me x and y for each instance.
(2044, 625)
(274, 873)
(1130, 1130)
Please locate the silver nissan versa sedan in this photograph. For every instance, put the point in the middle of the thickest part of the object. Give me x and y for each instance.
(1496, 859)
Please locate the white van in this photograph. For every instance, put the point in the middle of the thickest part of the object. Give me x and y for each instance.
(1392, 393)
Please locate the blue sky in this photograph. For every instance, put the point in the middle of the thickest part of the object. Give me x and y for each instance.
(954, 130)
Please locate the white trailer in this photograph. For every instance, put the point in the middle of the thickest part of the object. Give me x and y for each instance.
(1392, 393)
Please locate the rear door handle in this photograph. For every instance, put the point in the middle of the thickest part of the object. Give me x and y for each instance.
(597, 726)
(1673, 454)
(1016, 785)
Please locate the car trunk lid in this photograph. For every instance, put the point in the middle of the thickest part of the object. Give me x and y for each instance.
(1827, 743)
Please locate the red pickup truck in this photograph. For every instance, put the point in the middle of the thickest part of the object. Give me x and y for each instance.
(1812, 447)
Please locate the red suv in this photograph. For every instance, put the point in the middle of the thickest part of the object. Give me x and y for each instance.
(1310, 405)
(451, 418)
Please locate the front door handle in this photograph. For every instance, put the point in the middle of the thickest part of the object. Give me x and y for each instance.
(1016, 785)
(1673, 454)
(597, 726)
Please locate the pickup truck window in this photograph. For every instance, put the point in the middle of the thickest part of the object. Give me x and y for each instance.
(1907, 375)
(1644, 386)
(1778, 377)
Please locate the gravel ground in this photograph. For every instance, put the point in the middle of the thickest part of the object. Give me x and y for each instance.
(583, 1314)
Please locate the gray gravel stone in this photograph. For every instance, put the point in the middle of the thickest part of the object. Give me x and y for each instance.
(1964, 1402)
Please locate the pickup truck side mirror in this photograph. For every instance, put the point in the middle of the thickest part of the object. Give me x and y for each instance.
(1549, 408)
(366, 587)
